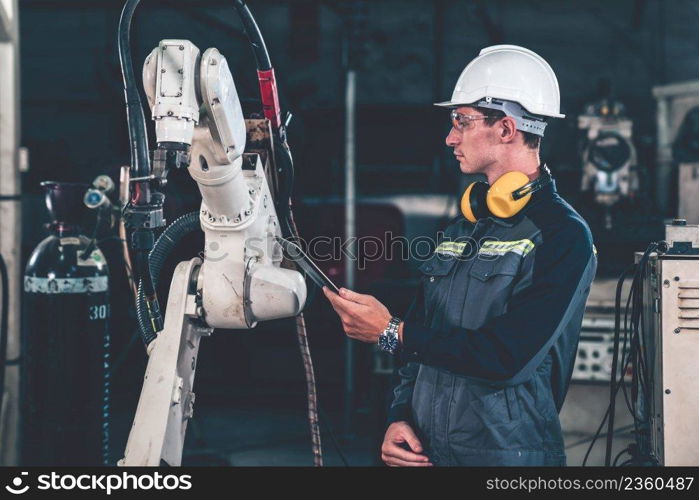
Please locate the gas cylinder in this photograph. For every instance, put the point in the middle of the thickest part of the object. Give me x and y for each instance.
(66, 345)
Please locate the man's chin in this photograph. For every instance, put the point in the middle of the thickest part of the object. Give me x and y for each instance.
(466, 169)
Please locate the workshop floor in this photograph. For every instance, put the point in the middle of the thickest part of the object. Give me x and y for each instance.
(278, 437)
(255, 437)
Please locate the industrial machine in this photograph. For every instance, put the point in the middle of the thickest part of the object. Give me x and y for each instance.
(608, 154)
(670, 336)
(596, 346)
(243, 170)
(675, 151)
(657, 337)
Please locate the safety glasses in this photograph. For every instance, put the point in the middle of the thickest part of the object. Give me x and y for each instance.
(460, 121)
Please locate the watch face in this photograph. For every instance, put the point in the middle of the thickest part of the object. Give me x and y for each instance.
(388, 342)
(383, 342)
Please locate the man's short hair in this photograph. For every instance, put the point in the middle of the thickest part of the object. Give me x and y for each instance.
(532, 141)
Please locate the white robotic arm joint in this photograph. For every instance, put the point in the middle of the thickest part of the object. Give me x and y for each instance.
(169, 77)
(194, 102)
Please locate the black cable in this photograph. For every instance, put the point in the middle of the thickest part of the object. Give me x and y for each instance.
(93, 239)
(626, 353)
(254, 36)
(326, 421)
(591, 437)
(619, 455)
(140, 170)
(641, 375)
(597, 434)
(615, 360)
(604, 419)
(138, 137)
(285, 167)
(635, 304)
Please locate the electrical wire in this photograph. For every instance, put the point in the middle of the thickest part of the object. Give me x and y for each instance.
(326, 422)
(615, 359)
(619, 455)
(93, 239)
(589, 438)
(311, 390)
(140, 166)
(284, 165)
(635, 358)
(138, 137)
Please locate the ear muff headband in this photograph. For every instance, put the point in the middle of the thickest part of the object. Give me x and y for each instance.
(532, 187)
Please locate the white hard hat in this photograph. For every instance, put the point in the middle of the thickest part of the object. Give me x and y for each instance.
(509, 73)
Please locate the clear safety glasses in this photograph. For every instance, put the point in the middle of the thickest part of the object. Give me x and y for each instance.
(460, 121)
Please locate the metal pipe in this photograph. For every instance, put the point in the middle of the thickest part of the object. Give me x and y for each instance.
(10, 225)
(124, 199)
(350, 234)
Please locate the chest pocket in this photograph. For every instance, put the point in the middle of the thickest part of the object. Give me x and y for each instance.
(505, 265)
(435, 281)
(490, 286)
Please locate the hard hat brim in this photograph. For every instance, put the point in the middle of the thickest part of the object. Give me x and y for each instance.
(449, 104)
(456, 104)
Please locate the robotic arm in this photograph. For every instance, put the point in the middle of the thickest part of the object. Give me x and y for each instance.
(200, 125)
(194, 103)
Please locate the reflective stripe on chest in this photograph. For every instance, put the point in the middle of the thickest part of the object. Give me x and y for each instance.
(494, 248)
(453, 248)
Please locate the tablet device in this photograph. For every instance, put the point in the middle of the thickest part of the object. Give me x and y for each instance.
(294, 252)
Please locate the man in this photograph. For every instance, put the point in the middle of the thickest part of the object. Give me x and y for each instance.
(489, 343)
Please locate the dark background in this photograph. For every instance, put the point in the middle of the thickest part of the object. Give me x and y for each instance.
(409, 54)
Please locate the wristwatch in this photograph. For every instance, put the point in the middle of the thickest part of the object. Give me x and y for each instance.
(388, 340)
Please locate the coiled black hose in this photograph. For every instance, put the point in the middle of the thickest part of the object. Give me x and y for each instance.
(163, 247)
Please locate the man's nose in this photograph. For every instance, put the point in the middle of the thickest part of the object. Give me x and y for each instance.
(453, 138)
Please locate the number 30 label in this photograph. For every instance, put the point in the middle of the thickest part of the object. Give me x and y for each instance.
(99, 312)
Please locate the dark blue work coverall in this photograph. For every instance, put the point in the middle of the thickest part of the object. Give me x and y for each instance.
(490, 341)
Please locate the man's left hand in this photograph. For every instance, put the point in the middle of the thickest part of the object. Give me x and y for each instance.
(363, 317)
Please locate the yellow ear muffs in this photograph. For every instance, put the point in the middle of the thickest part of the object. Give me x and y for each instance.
(499, 198)
(482, 200)
(473, 202)
(466, 204)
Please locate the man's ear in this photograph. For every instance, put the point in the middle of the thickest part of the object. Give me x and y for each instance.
(508, 130)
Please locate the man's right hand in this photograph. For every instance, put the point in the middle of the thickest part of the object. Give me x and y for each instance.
(395, 455)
